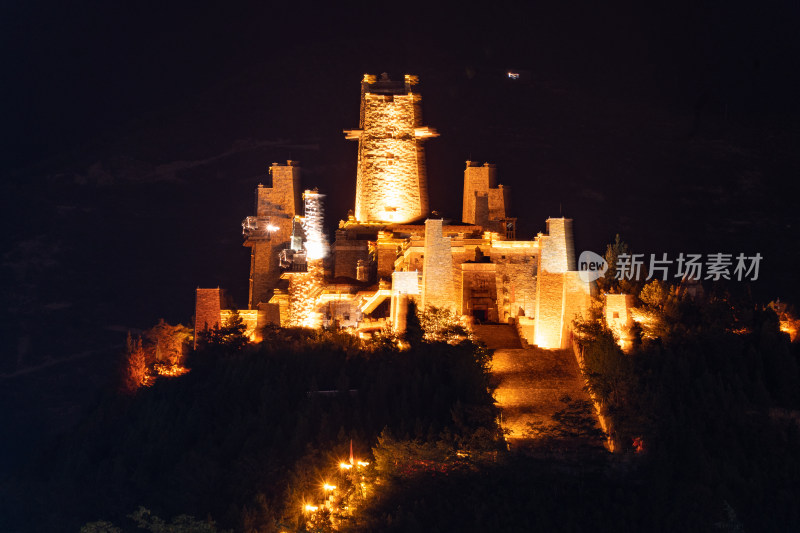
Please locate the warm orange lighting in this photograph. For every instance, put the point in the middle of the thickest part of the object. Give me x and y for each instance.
(310, 508)
(304, 291)
(345, 466)
(170, 370)
(390, 145)
(790, 327)
(362, 463)
(328, 488)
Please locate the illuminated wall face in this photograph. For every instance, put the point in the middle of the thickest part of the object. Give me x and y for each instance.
(316, 243)
(206, 311)
(304, 292)
(558, 250)
(549, 310)
(560, 294)
(437, 270)
(618, 317)
(249, 318)
(391, 184)
(276, 207)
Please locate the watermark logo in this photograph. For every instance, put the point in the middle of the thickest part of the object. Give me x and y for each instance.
(591, 266)
(715, 267)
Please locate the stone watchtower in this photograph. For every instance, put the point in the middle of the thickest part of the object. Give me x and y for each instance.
(391, 183)
(485, 203)
(270, 230)
(560, 293)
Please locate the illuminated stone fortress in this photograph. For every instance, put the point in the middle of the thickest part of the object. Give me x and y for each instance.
(391, 249)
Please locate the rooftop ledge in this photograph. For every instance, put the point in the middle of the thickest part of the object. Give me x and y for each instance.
(420, 133)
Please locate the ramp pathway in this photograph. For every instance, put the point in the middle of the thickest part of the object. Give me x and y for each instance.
(531, 383)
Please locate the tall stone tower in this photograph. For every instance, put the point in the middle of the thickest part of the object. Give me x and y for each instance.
(559, 290)
(485, 204)
(270, 230)
(558, 249)
(391, 182)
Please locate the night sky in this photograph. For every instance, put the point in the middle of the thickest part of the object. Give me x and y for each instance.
(135, 134)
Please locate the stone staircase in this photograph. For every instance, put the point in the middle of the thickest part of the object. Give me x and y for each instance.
(497, 336)
(530, 381)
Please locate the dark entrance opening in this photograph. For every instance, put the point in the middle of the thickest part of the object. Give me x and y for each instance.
(480, 315)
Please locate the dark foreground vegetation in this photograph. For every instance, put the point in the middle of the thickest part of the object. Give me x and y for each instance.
(704, 416)
(240, 437)
(703, 412)
(710, 394)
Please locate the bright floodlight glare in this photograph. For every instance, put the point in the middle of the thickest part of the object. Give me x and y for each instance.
(316, 245)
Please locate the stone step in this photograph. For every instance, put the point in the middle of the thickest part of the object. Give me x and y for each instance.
(497, 336)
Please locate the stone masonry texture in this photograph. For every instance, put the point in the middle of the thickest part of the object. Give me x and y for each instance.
(391, 184)
(437, 272)
(206, 310)
(276, 206)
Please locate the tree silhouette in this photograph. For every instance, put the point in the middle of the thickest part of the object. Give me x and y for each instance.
(414, 332)
(167, 343)
(135, 371)
(230, 337)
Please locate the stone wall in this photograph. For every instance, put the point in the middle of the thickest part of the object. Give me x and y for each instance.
(526, 328)
(499, 202)
(252, 318)
(558, 249)
(386, 254)
(437, 272)
(517, 269)
(549, 310)
(405, 286)
(577, 300)
(478, 179)
(343, 313)
(560, 293)
(347, 254)
(280, 301)
(270, 314)
(617, 312)
(207, 306)
(391, 183)
(405, 283)
(277, 207)
(479, 291)
(485, 203)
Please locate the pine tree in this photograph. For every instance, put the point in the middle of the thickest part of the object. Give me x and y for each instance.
(167, 343)
(230, 337)
(135, 374)
(609, 282)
